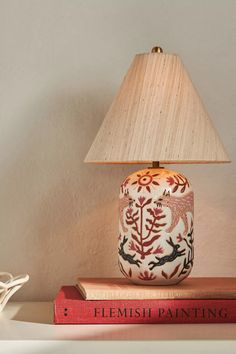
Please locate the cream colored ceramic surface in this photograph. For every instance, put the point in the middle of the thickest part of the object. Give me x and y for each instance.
(61, 63)
(156, 227)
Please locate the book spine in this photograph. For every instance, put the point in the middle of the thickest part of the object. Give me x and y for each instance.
(146, 311)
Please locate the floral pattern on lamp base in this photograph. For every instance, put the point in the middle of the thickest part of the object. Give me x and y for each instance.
(156, 227)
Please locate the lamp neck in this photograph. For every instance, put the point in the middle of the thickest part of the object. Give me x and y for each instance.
(156, 164)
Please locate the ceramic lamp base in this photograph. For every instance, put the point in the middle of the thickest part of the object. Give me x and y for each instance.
(156, 227)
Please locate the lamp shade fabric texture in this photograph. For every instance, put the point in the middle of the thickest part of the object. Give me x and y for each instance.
(157, 115)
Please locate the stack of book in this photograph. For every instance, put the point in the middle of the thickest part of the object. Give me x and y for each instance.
(116, 300)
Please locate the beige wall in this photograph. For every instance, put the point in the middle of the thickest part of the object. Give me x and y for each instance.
(60, 64)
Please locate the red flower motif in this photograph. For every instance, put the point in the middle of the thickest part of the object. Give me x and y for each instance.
(179, 238)
(157, 211)
(170, 180)
(147, 276)
(130, 211)
(159, 249)
(145, 180)
(141, 200)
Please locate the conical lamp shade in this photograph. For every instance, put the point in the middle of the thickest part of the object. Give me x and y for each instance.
(157, 115)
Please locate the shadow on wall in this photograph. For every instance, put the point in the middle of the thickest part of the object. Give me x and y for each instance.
(59, 215)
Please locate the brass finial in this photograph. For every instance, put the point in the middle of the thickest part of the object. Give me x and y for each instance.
(157, 50)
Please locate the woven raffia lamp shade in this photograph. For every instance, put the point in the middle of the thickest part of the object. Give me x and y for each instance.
(156, 117)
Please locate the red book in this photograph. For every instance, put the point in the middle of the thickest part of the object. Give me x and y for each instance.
(71, 308)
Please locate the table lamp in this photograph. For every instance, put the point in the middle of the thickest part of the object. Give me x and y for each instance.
(157, 117)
